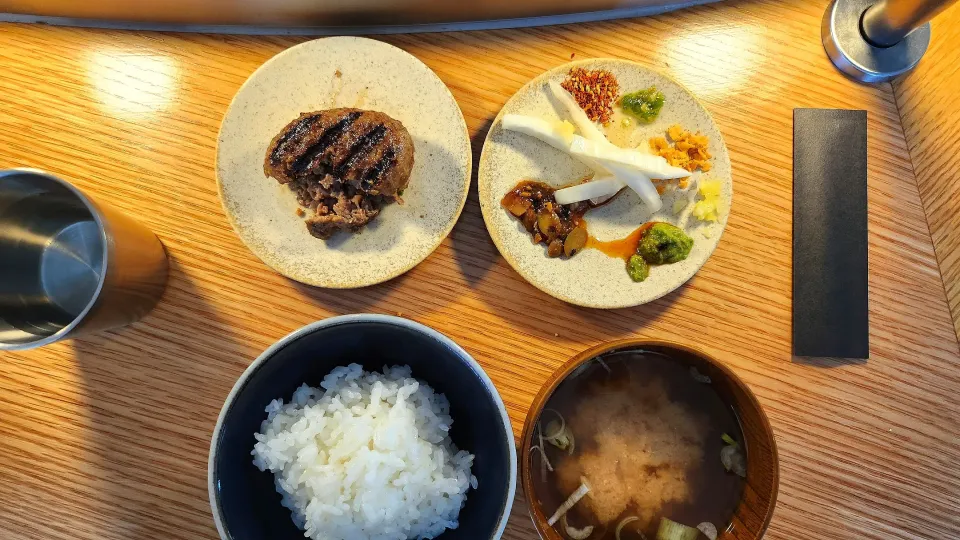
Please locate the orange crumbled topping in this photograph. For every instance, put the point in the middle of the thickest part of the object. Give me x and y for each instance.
(689, 150)
(663, 185)
(594, 90)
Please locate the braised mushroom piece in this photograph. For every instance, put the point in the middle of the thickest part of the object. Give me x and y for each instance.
(559, 227)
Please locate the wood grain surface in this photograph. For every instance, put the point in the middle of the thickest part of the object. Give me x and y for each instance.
(107, 437)
(931, 124)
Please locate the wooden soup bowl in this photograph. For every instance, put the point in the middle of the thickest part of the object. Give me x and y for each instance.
(753, 513)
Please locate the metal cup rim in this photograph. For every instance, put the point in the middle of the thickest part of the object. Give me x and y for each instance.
(101, 226)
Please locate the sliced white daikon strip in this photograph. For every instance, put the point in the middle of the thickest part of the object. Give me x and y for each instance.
(556, 134)
(651, 166)
(587, 128)
(600, 200)
(637, 182)
(599, 187)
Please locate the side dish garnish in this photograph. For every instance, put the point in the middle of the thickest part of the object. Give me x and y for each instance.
(554, 216)
(664, 243)
(559, 226)
(644, 104)
(660, 243)
(563, 230)
(689, 150)
(637, 268)
(595, 91)
(710, 207)
(618, 167)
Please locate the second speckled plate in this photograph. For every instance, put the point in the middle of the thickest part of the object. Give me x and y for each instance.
(591, 278)
(344, 72)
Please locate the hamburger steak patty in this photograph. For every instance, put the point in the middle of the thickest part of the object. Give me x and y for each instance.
(344, 164)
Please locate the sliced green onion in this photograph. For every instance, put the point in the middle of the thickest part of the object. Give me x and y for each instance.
(544, 462)
(573, 499)
(604, 364)
(729, 440)
(733, 460)
(708, 530)
(699, 377)
(624, 523)
(562, 440)
(560, 425)
(560, 434)
(671, 530)
(574, 533)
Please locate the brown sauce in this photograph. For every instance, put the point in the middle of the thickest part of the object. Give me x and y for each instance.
(562, 228)
(621, 248)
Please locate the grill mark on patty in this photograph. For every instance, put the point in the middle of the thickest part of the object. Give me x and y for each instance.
(373, 173)
(298, 130)
(327, 139)
(361, 148)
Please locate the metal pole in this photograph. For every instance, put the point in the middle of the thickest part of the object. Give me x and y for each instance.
(887, 22)
(877, 40)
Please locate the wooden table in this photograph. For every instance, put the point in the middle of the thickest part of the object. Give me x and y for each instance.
(107, 437)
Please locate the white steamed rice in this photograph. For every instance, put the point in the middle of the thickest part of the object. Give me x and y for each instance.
(366, 456)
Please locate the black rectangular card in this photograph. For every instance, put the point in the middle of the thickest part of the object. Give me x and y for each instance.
(830, 233)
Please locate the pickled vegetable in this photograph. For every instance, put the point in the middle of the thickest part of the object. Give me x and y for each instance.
(576, 240)
(711, 206)
(645, 105)
(558, 226)
(555, 248)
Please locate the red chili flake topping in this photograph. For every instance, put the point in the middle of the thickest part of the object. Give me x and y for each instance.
(595, 91)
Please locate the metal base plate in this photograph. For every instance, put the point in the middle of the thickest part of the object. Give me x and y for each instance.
(856, 57)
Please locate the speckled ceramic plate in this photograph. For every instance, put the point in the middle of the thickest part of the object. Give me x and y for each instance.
(591, 278)
(372, 75)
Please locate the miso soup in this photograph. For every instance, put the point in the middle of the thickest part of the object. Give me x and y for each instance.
(647, 437)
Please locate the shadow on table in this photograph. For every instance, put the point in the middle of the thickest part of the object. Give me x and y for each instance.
(511, 297)
(472, 248)
(604, 323)
(154, 390)
(344, 301)
(470, 236)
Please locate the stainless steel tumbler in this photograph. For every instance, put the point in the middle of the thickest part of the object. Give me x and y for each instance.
(69, 265)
